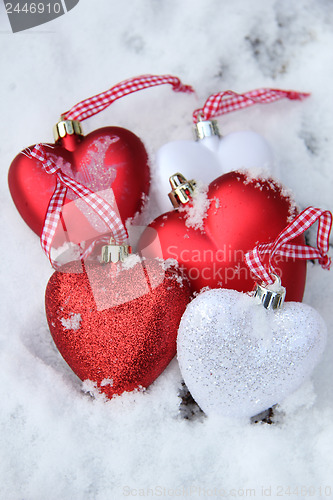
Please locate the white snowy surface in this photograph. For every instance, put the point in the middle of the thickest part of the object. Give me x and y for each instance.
(57, 442)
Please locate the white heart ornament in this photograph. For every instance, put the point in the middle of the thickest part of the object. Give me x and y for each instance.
(238, 358)
(208, 158)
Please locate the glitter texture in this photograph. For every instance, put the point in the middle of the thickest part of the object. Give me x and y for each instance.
(121, 347)
(238, 359)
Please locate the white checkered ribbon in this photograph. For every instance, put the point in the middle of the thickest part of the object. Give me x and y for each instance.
(63, 182)
(93, 105)
(281, 246)
(228, 101)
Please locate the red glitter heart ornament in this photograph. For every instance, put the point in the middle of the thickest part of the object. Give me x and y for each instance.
(242, 212)
(111, 160)
(116, 324)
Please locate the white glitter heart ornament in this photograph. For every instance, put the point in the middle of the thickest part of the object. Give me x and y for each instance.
(238, 358)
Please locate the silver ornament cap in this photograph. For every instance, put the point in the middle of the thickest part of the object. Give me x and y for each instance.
(271, 296)
(206, 128)
(115, 253)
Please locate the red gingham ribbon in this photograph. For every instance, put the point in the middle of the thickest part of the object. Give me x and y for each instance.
(281, 246)
(95, 202)
(225, 102)
(97, 103)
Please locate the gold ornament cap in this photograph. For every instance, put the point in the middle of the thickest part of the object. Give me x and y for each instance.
(66, 127)
(115, 253)
(206, 128)
(182, 189)
(271, 296)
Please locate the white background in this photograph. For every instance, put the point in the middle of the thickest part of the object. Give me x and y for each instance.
(57, 442)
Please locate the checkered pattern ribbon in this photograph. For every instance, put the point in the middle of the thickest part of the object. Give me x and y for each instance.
(64, 182)
(225, 102)
(93, 105)
(281, 246)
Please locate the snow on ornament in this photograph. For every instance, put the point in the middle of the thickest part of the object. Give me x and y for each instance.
(111, 161)
(211, 154)
(239, 354)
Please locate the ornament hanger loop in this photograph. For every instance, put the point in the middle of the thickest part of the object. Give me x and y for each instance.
(271, 296)
(228, 101)
(277, 280)
(281, 246)
(93, 105)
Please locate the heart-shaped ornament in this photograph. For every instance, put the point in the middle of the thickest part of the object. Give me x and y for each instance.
(238, 358)
(111, 161)
(213, 155)
(209, 157)
(116, 324)
(210, 236)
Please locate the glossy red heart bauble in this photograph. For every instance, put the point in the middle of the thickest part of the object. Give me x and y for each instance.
(110, 157)
(242, 212)
(116, 325)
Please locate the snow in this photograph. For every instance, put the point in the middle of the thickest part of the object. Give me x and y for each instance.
(72, 323)
(196, 211)
(59, 442)
(131, 261)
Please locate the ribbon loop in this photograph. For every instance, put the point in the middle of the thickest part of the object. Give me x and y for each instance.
(93, 105)
(82, 111)
(281, 246)
(101, 207)
(325, 262)
(38, 152)
(227, 101)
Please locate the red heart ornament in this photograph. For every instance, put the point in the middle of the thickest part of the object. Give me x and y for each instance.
(111, 160)
(242, 212)
(116, 325)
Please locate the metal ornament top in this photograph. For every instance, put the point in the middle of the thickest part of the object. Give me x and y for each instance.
(66, 127)
(115, 253)
(182, 189)
(206, 128)
(271, 296)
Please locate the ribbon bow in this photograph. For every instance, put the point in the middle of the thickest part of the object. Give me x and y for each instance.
(101, 207)
(281, 246)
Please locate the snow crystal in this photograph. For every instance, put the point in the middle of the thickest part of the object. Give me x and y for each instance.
(131, 261)
(107, 381)
(65, 253)
(255, 173)
(72, 323)
(169, 263)
(196, 210)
